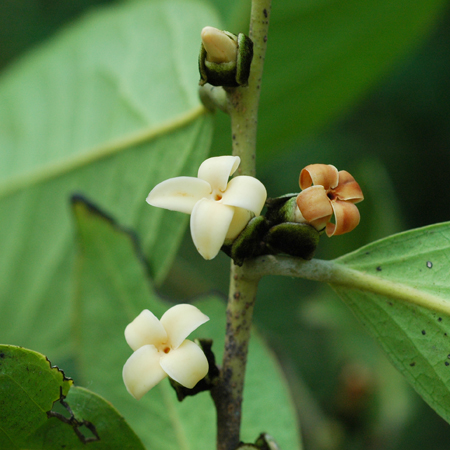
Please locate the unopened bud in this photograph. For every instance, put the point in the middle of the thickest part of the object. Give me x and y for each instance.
(224, 58)
(220, 46)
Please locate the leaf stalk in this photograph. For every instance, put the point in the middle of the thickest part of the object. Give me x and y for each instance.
(340, 275)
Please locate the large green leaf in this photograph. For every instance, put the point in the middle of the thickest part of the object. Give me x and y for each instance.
(399, 288)
(323, 55)
(30, 387)
(108, 108)
(113, 288)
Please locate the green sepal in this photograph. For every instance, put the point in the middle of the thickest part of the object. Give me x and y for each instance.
(292, 238)
(249, 243)
(281, 209)
(230, 74)
(264, 442)
(204, 384)
(244, 59)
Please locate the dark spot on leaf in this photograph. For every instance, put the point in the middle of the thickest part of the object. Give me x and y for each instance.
(379, 269)
(445, 334)
(424, 332)
(448, 356)
(265, 13)
(74, 422)
(2, 355)
(390, 303)
(429, 264)
(440, 319)
(447, 363)
(413, 364)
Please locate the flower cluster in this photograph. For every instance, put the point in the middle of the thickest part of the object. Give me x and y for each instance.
(161, 349)
(327, 192)
(219, 209)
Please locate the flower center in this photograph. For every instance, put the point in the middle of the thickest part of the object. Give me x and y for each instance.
(217, 194)
(166, 349)
(331, 196)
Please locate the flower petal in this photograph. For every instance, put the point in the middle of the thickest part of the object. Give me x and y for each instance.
(142, 371)
(145, 329)
(325, 175)
(187, 364)
(240, 220)
(348, 189)
(217, 170)
(315, 206)
(346, 217)
(245, 192)
(179, 194)
(180, 321)
(210, 222)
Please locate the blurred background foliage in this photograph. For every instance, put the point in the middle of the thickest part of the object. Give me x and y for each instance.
(393, 135)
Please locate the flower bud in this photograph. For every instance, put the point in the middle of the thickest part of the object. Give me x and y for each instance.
(266, 442)
(220, 46)
(295, 239)
(284, 209)
(224, 58)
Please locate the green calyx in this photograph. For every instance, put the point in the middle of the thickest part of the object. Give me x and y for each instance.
(264, 442)
(276, 232)
(295, 239)
(249, 243)
(207, 383)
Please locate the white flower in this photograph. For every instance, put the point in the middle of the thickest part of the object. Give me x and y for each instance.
(161, 349)
(219, 209)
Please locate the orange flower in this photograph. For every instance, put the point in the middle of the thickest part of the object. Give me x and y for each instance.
(325, 192)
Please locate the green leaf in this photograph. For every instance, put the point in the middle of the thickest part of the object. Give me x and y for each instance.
(30, 387)
(399, 288)
(113, 288)
(102, 427)
(322, 56)
(108, 108)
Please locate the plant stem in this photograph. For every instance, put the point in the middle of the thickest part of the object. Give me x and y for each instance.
(243, 105)
(244, 101)
(228, 394)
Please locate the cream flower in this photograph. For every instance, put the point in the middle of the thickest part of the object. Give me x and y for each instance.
(220, 209)
(161, 349)
(326, 192)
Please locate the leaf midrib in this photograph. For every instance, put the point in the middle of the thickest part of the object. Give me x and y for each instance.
(55, 169)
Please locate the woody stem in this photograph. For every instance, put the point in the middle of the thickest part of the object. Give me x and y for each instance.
(243, 105)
